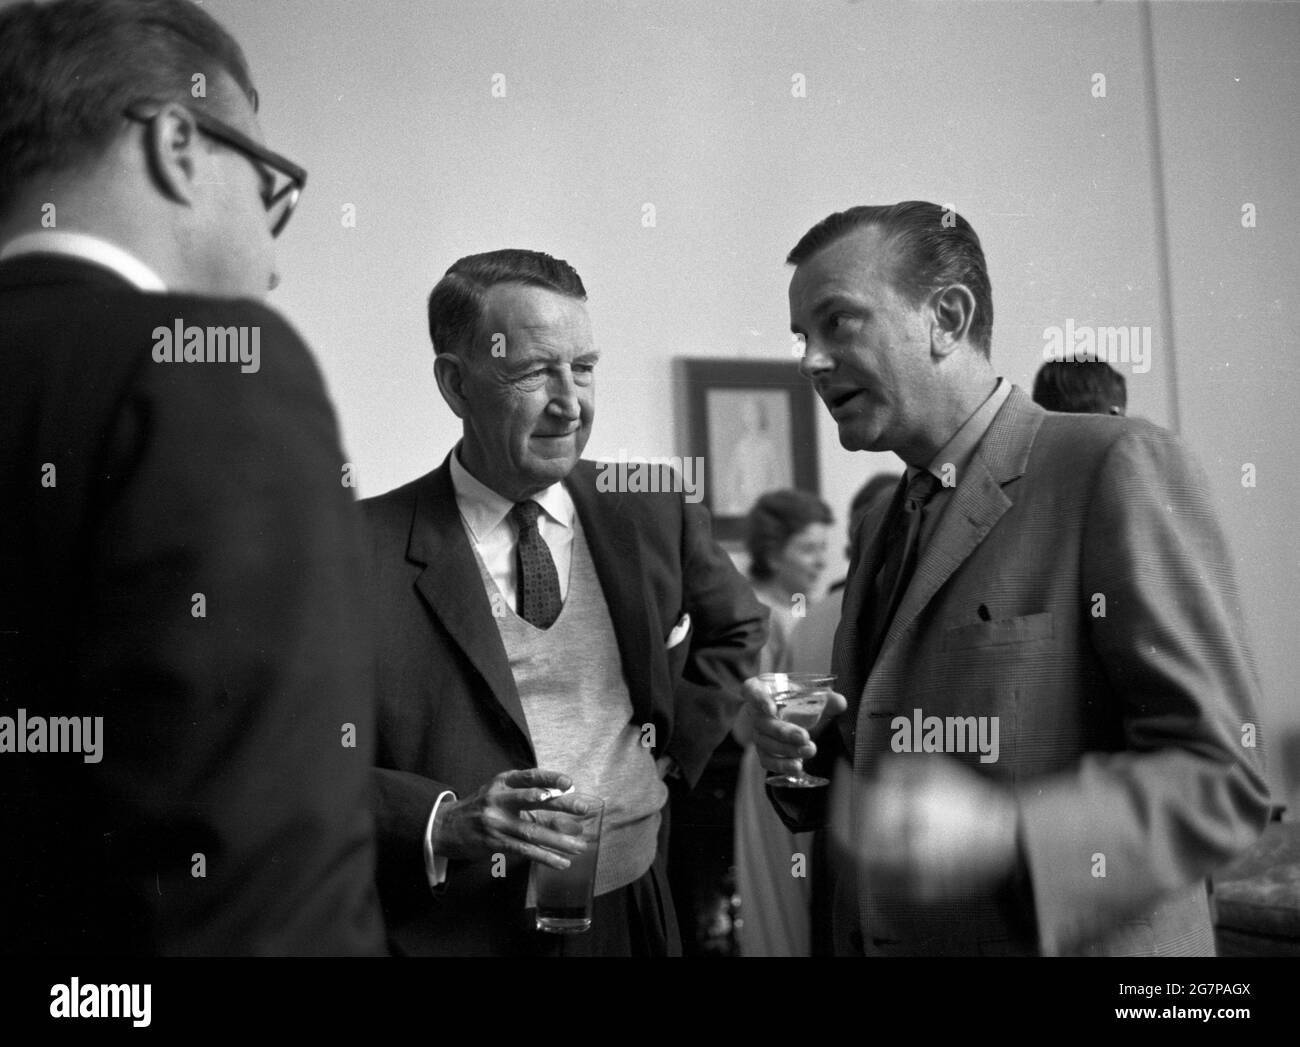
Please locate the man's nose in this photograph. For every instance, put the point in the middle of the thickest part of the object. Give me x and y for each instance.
(274, 281)
(564, 396)
(815, 360)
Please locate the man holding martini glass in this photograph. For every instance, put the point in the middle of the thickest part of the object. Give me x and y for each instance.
(1059, 580)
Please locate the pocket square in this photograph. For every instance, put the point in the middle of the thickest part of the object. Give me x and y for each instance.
(679, 632)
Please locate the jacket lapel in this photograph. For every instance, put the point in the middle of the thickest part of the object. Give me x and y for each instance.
(453, 588)
(977, 503)
(855, 628)
(616, 554)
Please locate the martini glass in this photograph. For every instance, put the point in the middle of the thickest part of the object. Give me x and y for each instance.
(800, 699)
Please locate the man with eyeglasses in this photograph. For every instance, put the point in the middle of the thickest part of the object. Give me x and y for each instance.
(185, 707)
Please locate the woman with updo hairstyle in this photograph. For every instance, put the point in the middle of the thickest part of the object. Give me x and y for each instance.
(787, 537)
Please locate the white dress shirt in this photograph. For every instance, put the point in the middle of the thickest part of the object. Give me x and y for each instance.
(955, 456)
(88, 248)
(486, 516)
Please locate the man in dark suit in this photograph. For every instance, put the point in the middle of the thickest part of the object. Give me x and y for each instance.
(538, 630)
(185, 703)
(1051, 727)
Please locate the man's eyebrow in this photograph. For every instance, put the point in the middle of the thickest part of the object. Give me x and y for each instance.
(543, 354)
(831, 300)
(837, 298)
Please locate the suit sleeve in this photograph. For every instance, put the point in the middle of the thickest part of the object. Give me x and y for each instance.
(728, 629)
(403, 802)
(234, 679)
(1185, 794)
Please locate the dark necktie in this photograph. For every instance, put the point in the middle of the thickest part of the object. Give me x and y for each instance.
(901, 547)
(539, 584)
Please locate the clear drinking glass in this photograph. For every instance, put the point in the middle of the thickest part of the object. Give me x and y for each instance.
(800, 699)
(564, 896)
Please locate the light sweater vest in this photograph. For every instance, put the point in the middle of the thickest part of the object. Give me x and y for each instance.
(579, 712)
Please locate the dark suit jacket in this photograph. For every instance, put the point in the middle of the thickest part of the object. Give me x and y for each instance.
(449, 712)
(223, 733)
(1113, 656)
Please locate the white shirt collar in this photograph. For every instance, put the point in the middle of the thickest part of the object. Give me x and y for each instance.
(483, 509)
(957, 452)
(90, 249)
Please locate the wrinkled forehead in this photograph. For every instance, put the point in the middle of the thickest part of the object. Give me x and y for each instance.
(535, 317)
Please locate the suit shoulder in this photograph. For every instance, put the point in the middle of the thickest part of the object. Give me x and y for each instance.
(398, 501)
(273, 329)
(1075, 437)
(170, 308)
(1102, 450)
(653, 495)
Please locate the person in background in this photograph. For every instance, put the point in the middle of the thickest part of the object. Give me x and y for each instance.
(788, 534)
(812, 648)
(1080, 387)
(813, 641)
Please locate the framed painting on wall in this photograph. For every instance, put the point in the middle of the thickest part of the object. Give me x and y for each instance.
(753, 422)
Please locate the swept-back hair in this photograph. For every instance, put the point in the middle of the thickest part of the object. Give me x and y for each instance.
(456, 302)
(934, 247)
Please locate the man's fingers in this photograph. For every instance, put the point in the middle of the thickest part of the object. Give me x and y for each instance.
(554, 839)
(532, 839)
(569, 803)
(531, 799)
(536, 777)
(777, 739)
(756, 693)
(782, 746)
(537, 854)
(778, 766)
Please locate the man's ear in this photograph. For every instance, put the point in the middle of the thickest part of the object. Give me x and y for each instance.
(953, 310)
(449, 371)
(171, 142)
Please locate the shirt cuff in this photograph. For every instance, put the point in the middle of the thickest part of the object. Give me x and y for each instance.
(435, 867)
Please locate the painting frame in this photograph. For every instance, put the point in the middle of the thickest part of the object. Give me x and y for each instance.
(728, 408)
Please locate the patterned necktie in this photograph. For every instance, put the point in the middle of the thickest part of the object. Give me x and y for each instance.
(539, 584)
(901, 547)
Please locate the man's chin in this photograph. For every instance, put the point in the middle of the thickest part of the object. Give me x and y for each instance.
(552, 468)
(861, 437)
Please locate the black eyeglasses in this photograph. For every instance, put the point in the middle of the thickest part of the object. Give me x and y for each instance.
(282, 180)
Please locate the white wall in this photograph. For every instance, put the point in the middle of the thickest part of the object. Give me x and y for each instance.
(689, 106)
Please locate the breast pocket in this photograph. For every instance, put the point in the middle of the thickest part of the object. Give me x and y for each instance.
(1002, 632)
(680, 651)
